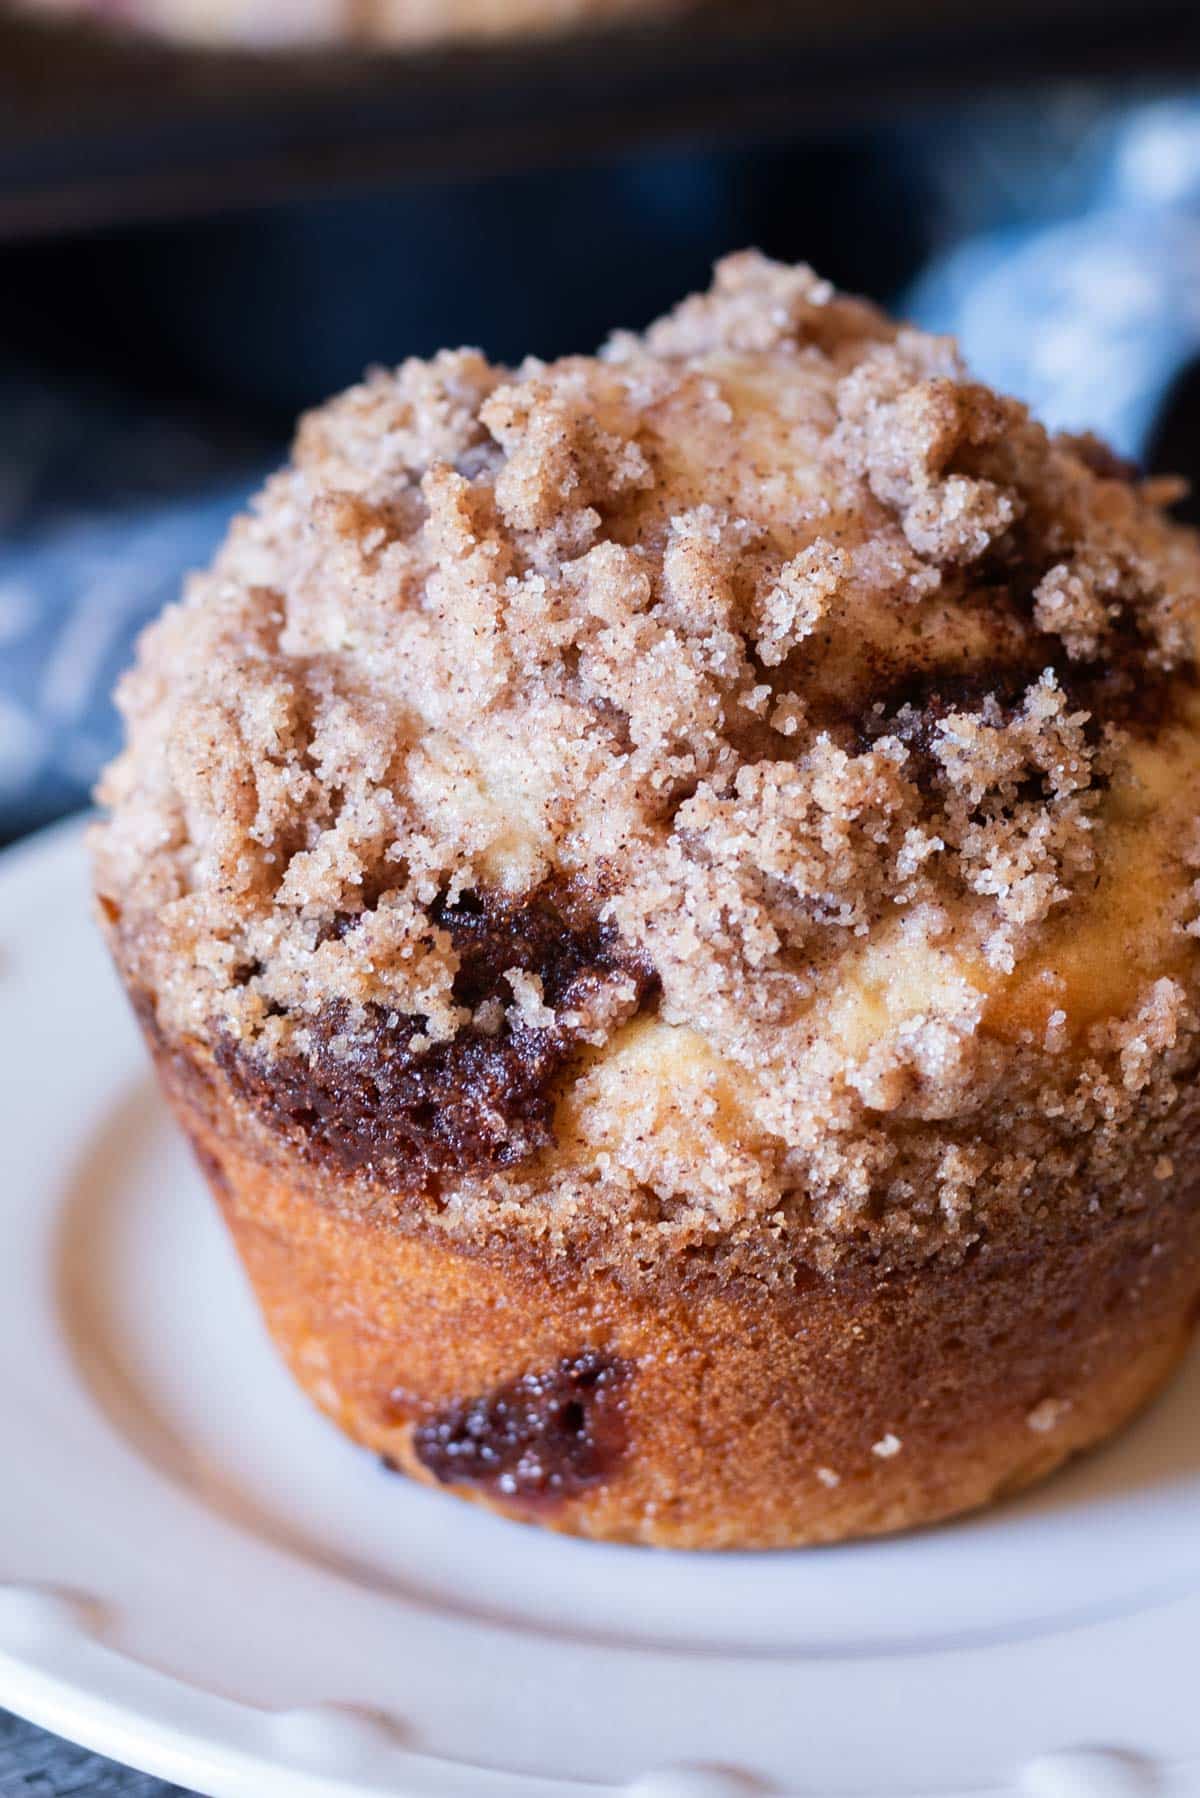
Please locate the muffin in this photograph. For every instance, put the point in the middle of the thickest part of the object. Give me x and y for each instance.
(273, 24)
(663, 889)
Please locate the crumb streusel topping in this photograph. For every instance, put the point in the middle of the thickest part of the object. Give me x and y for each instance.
(737, 788)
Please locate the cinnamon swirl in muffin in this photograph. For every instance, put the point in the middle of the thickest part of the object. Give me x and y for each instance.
(663, 888)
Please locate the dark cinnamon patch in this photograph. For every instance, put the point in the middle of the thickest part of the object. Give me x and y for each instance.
(1124, 689)
(537, 1440)
(1124, 686)
(367, 1098)
(917, 703)
(916, 706)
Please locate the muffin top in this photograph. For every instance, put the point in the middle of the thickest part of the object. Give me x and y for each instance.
(717, 789)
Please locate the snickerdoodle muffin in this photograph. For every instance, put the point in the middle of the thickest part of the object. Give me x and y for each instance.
(663, 889)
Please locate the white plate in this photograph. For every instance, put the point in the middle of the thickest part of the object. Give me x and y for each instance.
(200, 1576)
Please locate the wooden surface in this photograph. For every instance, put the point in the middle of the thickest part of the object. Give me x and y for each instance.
(36, 1765)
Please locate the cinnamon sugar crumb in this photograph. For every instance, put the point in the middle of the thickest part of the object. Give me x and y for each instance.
(824, 671)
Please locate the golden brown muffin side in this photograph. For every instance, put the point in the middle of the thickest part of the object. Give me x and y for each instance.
(716, 1414)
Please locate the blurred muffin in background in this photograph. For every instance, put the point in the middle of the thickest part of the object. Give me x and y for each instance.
(266, 24)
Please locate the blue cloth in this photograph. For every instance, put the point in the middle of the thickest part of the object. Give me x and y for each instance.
(1091, 318)
(102, 509)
